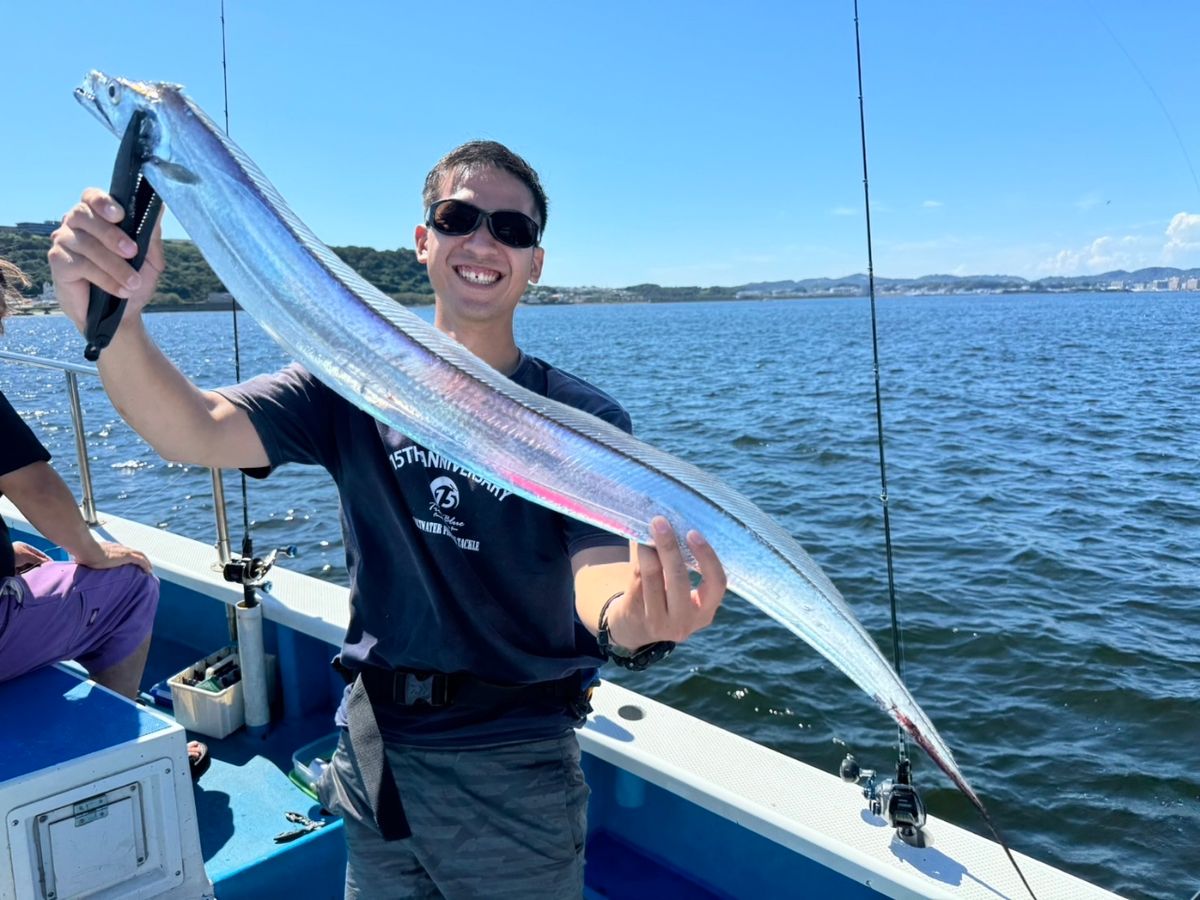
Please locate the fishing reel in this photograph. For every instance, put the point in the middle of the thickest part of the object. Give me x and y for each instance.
(251, 571)
(896, 800)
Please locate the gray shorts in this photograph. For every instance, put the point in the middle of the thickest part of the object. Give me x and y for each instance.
(495, 822)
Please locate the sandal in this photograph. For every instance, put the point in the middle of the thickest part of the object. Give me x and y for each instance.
(198, 759)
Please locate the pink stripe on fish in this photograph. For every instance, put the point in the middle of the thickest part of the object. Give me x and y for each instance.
(562, 502)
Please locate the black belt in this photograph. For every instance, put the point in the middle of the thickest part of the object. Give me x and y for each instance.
(373, 686)
(407, 688)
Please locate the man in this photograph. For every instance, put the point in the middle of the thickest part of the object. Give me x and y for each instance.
(472, 640)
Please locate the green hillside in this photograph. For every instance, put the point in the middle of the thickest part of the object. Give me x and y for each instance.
(188, 279)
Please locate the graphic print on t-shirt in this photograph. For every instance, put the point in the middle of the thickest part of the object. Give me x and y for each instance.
(444, 491)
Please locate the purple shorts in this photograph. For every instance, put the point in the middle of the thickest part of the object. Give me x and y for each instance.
(61, 611)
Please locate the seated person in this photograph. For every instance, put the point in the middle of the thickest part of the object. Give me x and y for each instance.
(97, 610)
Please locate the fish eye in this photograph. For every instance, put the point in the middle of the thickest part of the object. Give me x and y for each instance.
(114, 91)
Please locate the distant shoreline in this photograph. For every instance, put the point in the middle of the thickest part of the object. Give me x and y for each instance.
(626, 300)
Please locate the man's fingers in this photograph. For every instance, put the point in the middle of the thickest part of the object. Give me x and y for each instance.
(114, 264)
(670, 608)
(82, 268)
(102, 204)
(97, 215)
(154, 253)
(649, 571)
(142, 561)
(712, 573)
(120, 555)
(674, 569)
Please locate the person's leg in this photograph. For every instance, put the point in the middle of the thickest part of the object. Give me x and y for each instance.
(99, 617)
(498, 822)
(374, 867)
(118, 616)
(126, 676)
(40, 619)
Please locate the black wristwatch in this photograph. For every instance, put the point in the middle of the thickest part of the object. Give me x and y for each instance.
(636, 660)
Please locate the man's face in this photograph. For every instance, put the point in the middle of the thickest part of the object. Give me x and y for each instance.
(476, 278)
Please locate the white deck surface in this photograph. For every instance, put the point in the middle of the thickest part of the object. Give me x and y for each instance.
(807, 810)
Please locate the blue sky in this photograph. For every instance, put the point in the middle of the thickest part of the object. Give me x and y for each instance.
(680, 142)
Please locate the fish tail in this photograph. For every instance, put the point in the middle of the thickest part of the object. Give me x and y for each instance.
(953, 773)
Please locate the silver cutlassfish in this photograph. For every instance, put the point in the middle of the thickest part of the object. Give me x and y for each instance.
(403, 371)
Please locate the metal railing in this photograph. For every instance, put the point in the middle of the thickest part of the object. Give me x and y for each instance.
(72, 371)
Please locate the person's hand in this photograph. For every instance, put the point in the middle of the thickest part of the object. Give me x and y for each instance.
(27, 557)
(660, 603)
(108, 555)
(89, 248)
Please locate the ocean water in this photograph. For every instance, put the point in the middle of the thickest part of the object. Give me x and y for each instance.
(1044, 491)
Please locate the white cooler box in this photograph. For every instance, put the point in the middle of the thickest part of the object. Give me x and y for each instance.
(96, 795)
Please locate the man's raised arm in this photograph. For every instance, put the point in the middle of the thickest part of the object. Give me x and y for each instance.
(180, 421)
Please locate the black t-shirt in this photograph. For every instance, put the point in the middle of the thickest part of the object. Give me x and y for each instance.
(18, 448)
(448, 572)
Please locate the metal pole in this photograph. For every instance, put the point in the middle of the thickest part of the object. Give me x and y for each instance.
(223, 555)
(85, 471)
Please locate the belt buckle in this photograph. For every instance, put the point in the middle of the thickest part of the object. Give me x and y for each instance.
(419, 689)
(580, 706)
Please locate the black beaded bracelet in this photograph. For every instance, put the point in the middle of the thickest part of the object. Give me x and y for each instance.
(602, 635)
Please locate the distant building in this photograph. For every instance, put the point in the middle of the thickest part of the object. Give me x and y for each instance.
(45, 228)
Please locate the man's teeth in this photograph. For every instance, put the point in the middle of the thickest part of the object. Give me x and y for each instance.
(478, 276)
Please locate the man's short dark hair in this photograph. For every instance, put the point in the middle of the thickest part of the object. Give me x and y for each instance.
(475, 155)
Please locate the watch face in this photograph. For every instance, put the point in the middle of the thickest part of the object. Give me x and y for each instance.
(646, 656)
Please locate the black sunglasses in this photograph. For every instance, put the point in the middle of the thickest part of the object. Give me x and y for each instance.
(457, 218)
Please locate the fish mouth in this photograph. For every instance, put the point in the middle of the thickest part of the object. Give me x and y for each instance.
(85, 94)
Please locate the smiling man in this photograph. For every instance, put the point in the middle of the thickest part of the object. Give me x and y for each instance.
(480, 263)
(478, 619)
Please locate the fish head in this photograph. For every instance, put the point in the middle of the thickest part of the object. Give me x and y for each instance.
(117, 101)
(114, 100)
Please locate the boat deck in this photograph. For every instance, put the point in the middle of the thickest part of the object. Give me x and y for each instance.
(679, 809)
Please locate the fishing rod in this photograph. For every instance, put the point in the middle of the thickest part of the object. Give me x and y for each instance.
(241, 570)
(247, 569)
(897, 799)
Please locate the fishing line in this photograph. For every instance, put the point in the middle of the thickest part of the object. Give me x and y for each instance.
(897, 651)
(246, 622)
(1157, 99)
(247, 542)
(887, 531)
